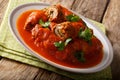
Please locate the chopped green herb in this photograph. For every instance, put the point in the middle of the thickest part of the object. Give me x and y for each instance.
(67, 41)
(69, 17)
(75, 18)
(61, 45)
(44, 24)
(72, 18)
(86, 34)
(80, 56)
(41, 22)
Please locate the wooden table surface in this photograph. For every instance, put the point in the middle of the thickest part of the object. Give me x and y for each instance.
(104, 11)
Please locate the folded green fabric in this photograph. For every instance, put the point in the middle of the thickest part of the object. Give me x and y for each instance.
(11, 49)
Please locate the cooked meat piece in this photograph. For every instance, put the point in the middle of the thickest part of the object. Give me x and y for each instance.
(49, 42)
(39, 34)
(64, 30)
(67, 29)
(33, 19)
(52, 26)
(55, 14)
(35, 30)
(78, 26)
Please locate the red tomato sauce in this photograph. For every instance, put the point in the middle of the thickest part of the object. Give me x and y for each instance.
(52, 54)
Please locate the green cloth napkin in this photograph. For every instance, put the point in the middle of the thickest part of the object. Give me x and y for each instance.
(11, 49)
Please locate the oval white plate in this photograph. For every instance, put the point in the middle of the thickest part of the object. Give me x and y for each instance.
(108, 51)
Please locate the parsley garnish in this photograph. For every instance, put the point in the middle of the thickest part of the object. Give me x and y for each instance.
(44, 24)
(85, 34)
(67, 41)
(72, 18)
(80, 56)
(61, 45)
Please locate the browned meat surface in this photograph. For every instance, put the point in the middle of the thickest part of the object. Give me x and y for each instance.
(67, 29)
(64, 30)
(33, 19)
(35, 31)
(39, 34)
(55, 14)
(58, 24)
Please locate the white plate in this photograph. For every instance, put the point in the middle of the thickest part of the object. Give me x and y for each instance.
(108, 51)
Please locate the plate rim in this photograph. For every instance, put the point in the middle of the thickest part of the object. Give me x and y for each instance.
(76, 70)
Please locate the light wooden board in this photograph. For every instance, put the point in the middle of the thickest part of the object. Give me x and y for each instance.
(10, 70)
(112, 23)
(93, 9)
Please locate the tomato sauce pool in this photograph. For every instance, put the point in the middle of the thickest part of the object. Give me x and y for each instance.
(91, 60)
